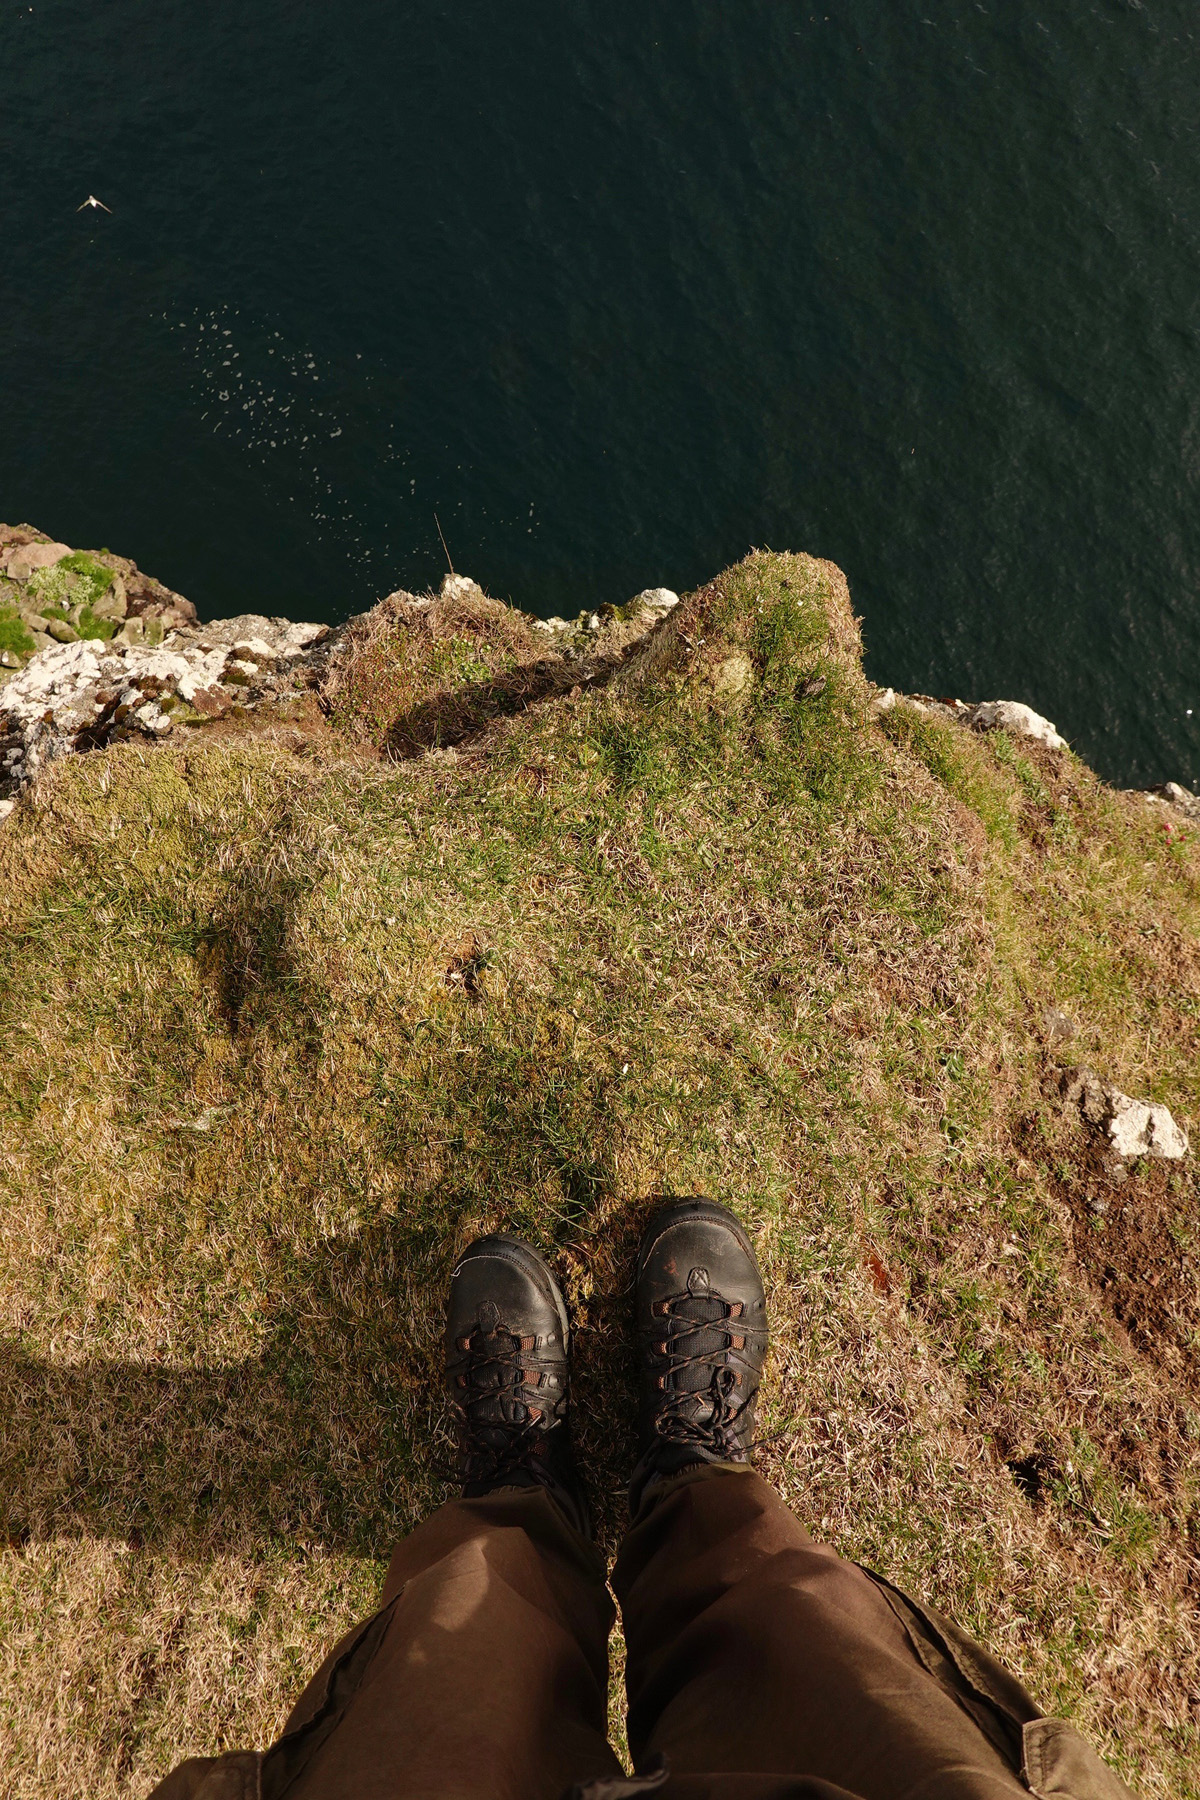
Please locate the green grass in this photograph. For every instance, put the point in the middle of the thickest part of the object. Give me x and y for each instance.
(14, 636)
(280, 1032)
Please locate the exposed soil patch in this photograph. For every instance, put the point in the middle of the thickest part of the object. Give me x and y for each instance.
(1126, 1235)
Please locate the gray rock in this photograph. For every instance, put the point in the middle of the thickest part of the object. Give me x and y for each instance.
(986, 715)
(111, 605)
(1015, 717)
(1133, 1127)
(1177, 796)
(657, 601)
(21, 560)
(460, 587)
(1142, 1128)
(617, 629)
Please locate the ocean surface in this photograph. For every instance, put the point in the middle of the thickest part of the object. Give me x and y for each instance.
(618, 291)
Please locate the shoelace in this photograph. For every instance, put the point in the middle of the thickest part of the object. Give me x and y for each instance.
(502, 1428)
(675, 1419)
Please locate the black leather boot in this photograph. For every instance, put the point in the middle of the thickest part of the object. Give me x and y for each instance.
(506, 1370)
(701, 1324)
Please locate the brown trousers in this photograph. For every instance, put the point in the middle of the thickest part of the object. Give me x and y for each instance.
(761, 1666)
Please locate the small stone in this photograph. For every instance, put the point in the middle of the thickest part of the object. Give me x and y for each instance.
(1143, 1128)
(61, 632)
(1059, 1028)
(658, 600)
(1097, 1207)
(6, 807)
(1134, 1127)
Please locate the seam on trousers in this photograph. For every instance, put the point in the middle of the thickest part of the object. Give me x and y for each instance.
(304, 1739)
(1007, 1726)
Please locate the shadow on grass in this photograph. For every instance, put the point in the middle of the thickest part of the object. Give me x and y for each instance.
(336, 1435)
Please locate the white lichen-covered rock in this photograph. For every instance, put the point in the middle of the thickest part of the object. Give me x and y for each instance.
(1015, 717)
(90, 692)
(1133, 1127)
(1142, 1128)
(985, 715)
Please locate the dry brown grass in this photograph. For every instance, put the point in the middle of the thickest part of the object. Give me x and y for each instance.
(280, 1032)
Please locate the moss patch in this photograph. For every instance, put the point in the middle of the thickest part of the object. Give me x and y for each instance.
(77, 580)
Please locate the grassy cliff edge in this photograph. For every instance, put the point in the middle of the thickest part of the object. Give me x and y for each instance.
(285, 1021)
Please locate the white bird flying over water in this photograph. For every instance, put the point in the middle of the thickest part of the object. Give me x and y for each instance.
(92, 201)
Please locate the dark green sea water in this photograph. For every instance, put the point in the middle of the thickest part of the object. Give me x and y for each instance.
(618, 291)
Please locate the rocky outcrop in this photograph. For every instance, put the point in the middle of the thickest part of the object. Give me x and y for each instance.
(96, 652)
(1020, 720)
(85, 693)
(984, 715)
(610, 630)
(1171, 794)
(51, 594)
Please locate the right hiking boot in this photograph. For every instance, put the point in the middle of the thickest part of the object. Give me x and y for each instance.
(506, 1370)
(701, 1324)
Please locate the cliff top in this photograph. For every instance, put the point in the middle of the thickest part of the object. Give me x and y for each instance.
(470, 922)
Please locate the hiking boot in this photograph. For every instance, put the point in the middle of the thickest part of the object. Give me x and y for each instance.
(701, 1321)
(506, 1370)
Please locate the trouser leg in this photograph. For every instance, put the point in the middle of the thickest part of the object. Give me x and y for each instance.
(752, 1649)
(483, 1676)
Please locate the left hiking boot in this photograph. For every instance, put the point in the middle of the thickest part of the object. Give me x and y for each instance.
(701, 1322)
(507, 1374)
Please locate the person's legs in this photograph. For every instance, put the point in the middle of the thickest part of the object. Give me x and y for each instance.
(753, 1649)
(484, 1675)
